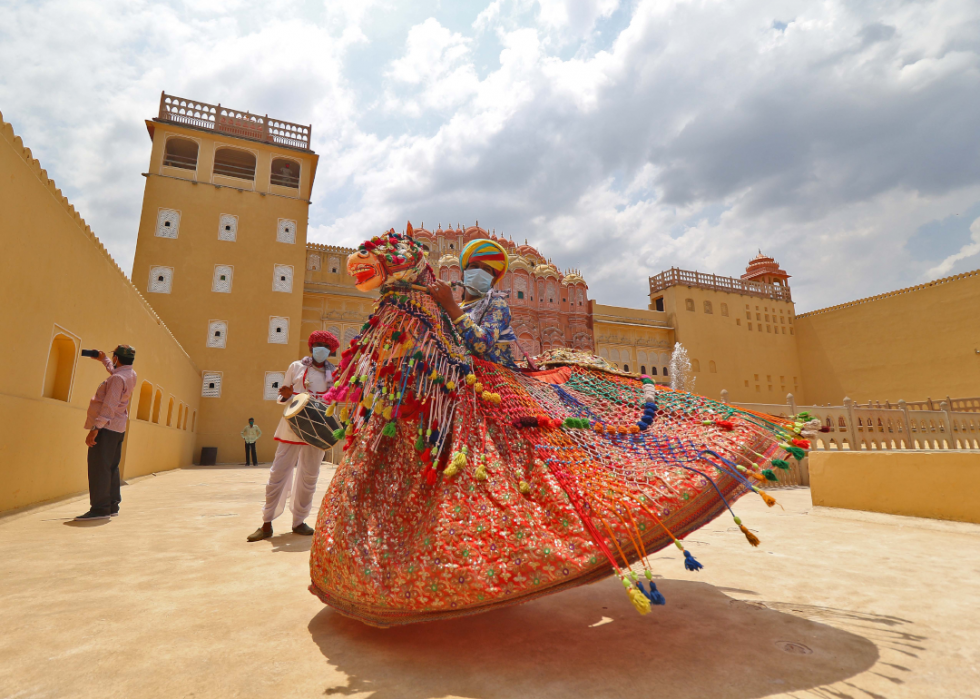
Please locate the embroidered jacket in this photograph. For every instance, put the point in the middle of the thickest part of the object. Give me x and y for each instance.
(486, 331)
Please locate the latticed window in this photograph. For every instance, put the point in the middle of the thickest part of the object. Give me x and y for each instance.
(707, 307)
(313, 262)
(286, 231)
(228, 228)
(222, 279)
(161, 280)
(168, 223)
(335, 331)
(217, 334)
(349, 334)
(211, 387)
(279, 330)
(334, 264)
(273, 382)
(689, 304)
(724, 309)
(282, 278)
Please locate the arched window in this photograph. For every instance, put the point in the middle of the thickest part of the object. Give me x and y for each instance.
(712, 368)
(231, 162)
(157, 400)
(626, 367)
(180, 152)
(643, 369)
(724, 309)
(146, 401)
(665, 372)
(689, 304)
(707, 307)
(61, 368)
(285, 173)
(653, 371)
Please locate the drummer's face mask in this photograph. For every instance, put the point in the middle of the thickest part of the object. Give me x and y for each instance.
(321, 354)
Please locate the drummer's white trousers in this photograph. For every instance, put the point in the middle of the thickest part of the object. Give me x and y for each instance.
(300, 487)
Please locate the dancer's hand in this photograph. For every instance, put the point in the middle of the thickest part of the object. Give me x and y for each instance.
(286, 392)
(442, 292)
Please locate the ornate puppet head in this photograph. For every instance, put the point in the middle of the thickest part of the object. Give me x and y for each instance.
(390, 256)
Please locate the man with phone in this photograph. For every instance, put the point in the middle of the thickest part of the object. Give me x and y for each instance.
(105, 420)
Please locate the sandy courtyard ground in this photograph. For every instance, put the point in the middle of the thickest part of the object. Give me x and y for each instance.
(168, 600)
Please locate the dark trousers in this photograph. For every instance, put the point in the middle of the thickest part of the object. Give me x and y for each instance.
(103, 472)
(250, 450)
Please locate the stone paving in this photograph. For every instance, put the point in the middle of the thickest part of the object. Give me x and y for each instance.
(168, 600)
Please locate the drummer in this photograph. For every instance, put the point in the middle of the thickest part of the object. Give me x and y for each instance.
(313, 375)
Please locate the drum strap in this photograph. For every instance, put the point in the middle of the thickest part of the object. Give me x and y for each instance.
(307, 386)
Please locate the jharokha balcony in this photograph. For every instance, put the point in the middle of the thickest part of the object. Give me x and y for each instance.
(233, 122)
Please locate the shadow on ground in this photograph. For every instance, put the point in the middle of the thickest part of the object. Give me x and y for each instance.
(589, 642)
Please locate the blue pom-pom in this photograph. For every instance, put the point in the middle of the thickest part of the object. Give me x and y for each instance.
(653, 595)
(434, 437)
(646, 420)
(691, 563)
(643, 426)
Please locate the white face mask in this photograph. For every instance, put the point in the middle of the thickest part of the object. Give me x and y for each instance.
(320, 354)
(477, 281)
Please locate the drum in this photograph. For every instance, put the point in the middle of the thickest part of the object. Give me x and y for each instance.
(309, 420)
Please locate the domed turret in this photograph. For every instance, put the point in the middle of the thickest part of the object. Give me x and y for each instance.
(765, 270)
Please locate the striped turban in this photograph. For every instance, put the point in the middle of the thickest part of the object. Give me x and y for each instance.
(489, 252)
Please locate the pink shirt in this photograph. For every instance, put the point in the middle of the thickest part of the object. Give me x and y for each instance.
(109, 408)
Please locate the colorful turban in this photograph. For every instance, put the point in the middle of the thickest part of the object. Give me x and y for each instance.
(329, 339)
(490, 253)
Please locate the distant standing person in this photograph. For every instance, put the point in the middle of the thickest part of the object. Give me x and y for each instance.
(251, 435)
(106, 419)
(312, 375)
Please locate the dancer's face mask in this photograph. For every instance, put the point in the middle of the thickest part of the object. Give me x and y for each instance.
(477, 281)
(320, 354)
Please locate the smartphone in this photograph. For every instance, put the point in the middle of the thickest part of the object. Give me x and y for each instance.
(91, 353)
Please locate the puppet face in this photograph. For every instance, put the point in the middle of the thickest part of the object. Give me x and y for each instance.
(367, 270)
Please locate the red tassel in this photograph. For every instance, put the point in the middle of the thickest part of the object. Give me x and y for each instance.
(430, 476)
(801, 443)
(725, 424)
(427, 455)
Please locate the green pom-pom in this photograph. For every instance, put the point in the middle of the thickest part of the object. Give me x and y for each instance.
(339, 433)
(779, 463)
(583, 423)
(389, 429)
(420, 443)
(770, 476)
(418, 355)
(797, 453)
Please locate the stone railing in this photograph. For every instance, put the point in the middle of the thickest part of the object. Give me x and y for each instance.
(214, 117)
(684, 277)
(899, 428)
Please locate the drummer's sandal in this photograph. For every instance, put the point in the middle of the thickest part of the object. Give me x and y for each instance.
(263, 532)
(304, 529)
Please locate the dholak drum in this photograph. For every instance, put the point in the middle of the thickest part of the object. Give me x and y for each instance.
(309, 420)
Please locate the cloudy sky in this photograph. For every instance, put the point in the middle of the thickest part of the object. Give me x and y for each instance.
(621, 137)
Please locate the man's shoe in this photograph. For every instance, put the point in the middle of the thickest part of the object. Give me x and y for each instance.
(90, 516)
(304, 529)
(263, 532)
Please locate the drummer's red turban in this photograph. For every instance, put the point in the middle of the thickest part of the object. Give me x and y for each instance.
(329, 339)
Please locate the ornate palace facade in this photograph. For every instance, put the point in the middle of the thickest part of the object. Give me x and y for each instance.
(550, 308)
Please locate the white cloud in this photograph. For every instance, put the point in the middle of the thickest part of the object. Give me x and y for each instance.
(967, 251)
(675, 133)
